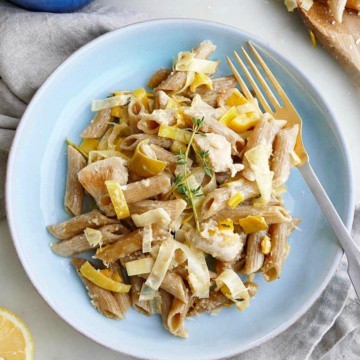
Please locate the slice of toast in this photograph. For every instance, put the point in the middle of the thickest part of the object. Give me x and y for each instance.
(341, 40)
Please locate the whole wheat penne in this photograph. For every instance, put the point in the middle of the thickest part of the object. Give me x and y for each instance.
(135, 110)
(98, 125)
(173, 207)
(217, 200)
(271, 214)
(104, 140)
(144, 189)
(68, 229)
(74, 194)
(103, 300)
(150, 123)
(158, 77)
(167, 302)
(125, 246)
(132, 141)
(177, 79)
(128, 244)
(219, 85)
(161, 99)
(275, 260)
(222, 83)
(176, 317)
(174, 285)
(264, 132)
(174, 82)
(79, 244)
(204, 49)
(215, 300)
(164, 155)
(214, 126)
(254, 257)
(143, 306)
(283, 147)
(123, 299)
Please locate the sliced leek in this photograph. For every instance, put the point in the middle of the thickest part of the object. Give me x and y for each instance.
(118, 199)
(145, 165)
(173, 132)
(101, 280)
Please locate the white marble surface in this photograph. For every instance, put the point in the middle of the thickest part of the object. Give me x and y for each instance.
(269, 20)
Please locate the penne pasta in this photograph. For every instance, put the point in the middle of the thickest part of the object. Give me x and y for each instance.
(217, 200)
(135, 111)
(176, 316)
(254, 256)
(165, 155)
(128, 244)
(74, 194)
(283, 147)
(68, 229)
(144, 189)
(274, 262)
(123, 299)
(161, 100)
(264, 133)
(142, 306)
(79, 244)
(215, 301)
(271, 214)
(219, 85)
(176, 80)
(150, 123)
(131, 142)
(158, 77)
(174, 285)
(214, 126)
(98, 125)
(173, 207)
(103, 300)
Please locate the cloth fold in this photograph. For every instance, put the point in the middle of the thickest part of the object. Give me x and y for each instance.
(33, 44)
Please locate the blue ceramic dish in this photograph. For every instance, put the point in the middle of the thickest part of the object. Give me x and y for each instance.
(57, 6)
(124, 59)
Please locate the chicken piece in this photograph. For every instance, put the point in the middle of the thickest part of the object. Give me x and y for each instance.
(219, 150)
(93, 178)
(223, 245)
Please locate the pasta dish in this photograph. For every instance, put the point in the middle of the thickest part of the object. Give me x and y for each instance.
(176, 195)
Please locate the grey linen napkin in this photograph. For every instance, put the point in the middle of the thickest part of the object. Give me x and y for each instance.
(32, 45)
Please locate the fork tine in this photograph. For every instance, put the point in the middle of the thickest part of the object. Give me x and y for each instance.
(239, 79)
(263, 83)
(258, 93)
(270, 75)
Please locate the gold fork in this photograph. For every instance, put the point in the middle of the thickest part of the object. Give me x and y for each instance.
(288, 112)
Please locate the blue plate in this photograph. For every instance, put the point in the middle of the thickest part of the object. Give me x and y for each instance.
(57, 6)
(124, 59)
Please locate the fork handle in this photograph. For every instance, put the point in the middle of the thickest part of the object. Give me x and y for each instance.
(348, 244)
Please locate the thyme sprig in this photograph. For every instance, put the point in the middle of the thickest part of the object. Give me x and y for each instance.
(205, 162)
(181, 181)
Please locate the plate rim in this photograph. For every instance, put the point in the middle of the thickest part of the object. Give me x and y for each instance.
(310, 87)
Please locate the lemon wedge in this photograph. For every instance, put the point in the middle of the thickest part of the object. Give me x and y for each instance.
(16, 342)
